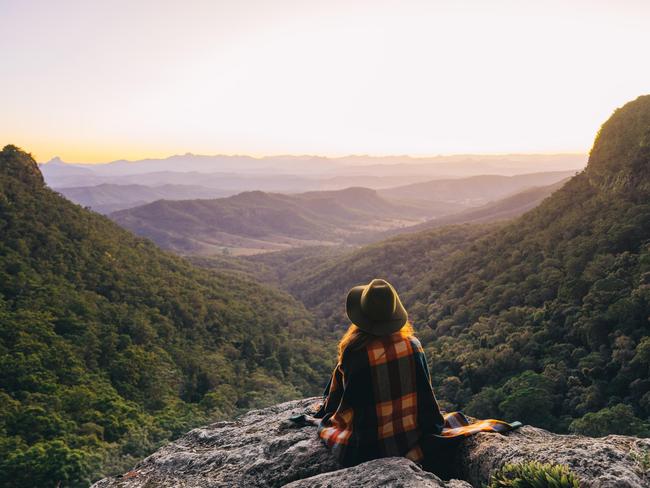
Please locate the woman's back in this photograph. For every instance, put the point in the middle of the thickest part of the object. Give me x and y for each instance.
(380, 402)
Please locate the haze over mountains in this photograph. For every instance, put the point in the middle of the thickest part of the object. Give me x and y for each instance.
(506, 208)
(438, 166)
(256, 221)
(474, 190)
(253, 222)
(109, 187)
(108, 197)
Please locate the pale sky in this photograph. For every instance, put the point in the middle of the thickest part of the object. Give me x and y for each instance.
(102, 80)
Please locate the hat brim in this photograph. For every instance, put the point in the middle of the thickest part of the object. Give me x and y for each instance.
(366, 324)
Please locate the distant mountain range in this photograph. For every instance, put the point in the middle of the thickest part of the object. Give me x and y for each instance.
(299, 173)
(253, 222)
(504, 209)
(474, 190)
(119, 185)
(107, 197)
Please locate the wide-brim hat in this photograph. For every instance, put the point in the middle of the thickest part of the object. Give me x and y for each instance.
(376, 308)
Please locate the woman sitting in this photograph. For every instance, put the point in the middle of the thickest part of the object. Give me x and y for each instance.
(379, 401)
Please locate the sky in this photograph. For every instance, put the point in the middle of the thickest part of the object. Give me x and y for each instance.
(93, 81)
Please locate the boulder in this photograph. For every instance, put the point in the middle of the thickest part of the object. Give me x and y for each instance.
(263, 448)
(614, 461)
(387, 472)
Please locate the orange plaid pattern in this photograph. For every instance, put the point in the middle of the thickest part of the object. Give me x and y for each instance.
(340, 430)
(396, 416)
(457, 425)
(379, 403)
(380, 352)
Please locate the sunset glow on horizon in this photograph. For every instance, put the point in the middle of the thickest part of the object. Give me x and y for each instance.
(99, 81)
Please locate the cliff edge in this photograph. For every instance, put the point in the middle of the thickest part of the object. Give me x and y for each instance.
(264, 448)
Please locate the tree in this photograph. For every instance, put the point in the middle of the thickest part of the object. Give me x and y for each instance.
(619, 419)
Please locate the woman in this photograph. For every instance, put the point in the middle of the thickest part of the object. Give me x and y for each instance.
(379, 401)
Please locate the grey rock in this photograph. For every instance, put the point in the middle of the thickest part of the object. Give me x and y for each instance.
(388, 472)
(262, 448)
(614, 461)
(265, 449)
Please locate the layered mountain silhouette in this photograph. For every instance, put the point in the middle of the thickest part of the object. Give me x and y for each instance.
(499, 210)
(118, 185)
(475, 190)
(259, 221)
(254, 222)
(107, 197)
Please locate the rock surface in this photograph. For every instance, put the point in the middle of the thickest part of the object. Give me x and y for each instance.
(614, 461)
(263, 448)
(388, 472)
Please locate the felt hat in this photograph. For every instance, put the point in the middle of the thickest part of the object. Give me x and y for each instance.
(376, 308)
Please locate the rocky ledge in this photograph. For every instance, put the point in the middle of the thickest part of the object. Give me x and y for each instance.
(265, 449)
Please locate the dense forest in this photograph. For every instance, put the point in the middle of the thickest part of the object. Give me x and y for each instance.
(110, 347)
(544, 319)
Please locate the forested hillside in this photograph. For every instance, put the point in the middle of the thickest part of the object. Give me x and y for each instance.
(545, 319)
(109, 346)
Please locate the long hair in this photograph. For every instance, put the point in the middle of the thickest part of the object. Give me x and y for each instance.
(355, 338)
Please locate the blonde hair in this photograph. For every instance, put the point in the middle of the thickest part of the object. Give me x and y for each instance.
(355, 338)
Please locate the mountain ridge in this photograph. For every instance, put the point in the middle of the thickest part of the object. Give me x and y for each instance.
(473, 189)
(266, 220)
(106, 198)
(298, 174)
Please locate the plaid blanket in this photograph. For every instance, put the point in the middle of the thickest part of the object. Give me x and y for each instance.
(379, 403)
(458, 425)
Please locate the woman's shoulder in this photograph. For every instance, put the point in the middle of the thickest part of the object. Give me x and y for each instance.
(352, 355)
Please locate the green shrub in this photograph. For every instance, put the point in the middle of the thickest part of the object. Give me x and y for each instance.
(533, 474)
